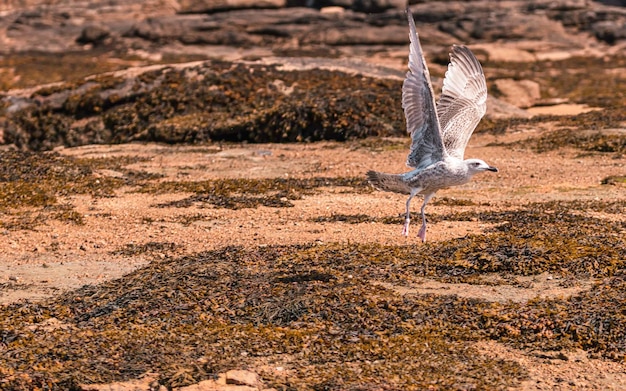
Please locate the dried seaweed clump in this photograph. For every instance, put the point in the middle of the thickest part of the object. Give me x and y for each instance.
(36, 179)
(553, 237)
(595, 81)
(320, 312)
(249, 193)
(589, 80)
(586, 321)
(39, 180)
(315, 310)
(587, 141)
(222, 101)
(133, 249)
(192, 317)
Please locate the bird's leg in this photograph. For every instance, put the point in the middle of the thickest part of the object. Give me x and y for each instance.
(422, 231)
(407, 219)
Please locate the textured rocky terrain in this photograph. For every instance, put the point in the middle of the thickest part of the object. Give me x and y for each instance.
(183, 203)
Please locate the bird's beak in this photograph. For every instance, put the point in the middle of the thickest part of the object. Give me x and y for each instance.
(492, 169)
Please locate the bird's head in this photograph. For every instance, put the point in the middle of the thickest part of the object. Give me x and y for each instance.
(475, 166)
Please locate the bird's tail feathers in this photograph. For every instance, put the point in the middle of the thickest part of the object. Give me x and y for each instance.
(388, 182)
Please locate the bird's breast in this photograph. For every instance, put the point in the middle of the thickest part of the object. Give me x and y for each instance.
(439, 176)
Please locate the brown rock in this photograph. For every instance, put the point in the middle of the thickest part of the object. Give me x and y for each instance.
(242, 378)
(610, 31)
(520, 93)
(366, 6)
(498, 109)
(93, 34)
(369, 35)
(54, 26)
(378, 5)
(210, 6)
(333, 9)
(331, 3)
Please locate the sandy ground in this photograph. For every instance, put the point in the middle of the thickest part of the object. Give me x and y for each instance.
(58, 256)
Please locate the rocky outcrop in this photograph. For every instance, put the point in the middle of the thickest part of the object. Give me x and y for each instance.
(242, 39)
(70, 25)
(198, 102)
(276, 100)
(520, 93)
(210, 6)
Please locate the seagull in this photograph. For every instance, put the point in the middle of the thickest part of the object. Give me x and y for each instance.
(439, 132)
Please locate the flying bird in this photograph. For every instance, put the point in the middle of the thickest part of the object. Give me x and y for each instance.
(439, 132)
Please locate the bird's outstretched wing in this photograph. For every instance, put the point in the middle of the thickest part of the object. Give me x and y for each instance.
(418, 102)
(463, 100)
